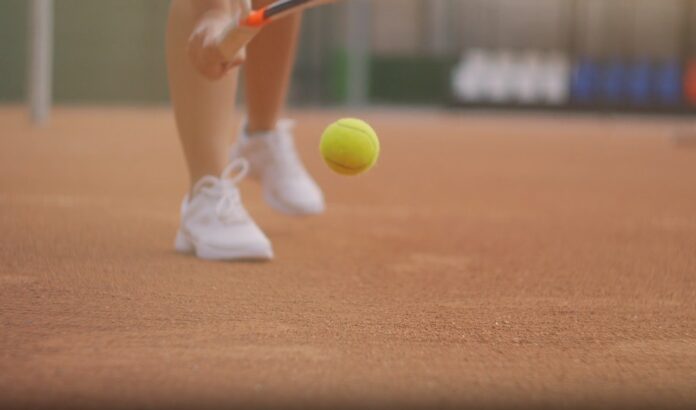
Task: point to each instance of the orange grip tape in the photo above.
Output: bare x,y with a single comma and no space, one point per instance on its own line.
256,18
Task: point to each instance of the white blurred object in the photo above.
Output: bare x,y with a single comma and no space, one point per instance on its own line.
40,60
528,78
469,76
556,79
499,79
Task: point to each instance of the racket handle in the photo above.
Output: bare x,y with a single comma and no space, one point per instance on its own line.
256,18
238,37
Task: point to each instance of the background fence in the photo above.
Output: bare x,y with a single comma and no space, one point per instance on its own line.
628,54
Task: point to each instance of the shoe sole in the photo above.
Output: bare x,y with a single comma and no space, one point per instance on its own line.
284,209
183,244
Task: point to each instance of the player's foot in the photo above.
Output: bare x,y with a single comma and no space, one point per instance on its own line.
287,186
214,223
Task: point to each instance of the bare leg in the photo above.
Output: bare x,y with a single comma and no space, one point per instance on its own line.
287,185
204,109
270,58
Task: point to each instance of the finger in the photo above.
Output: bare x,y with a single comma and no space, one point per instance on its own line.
246,8
231,65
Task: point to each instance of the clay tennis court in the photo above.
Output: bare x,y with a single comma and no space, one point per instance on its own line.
489,260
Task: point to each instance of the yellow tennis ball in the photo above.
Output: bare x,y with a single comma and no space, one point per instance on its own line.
349,146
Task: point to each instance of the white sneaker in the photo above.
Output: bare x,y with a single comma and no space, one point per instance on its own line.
273,160
214,223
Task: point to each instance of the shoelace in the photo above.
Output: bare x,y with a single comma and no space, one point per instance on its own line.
229,207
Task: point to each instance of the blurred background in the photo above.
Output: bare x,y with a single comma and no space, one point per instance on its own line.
517,54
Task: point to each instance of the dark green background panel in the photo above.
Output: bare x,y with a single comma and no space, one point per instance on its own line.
110,50
13,40
105,50
410,80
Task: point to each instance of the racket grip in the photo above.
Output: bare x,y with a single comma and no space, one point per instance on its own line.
256,18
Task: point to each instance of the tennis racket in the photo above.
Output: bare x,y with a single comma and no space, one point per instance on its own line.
239,35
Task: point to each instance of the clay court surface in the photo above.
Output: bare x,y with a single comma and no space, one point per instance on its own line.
490,260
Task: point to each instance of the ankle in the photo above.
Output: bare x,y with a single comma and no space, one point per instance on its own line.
252,129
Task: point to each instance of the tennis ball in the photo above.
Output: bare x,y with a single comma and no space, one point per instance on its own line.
349,146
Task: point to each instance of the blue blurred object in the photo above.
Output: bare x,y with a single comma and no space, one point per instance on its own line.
584,81
669,83
613,82
640,80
